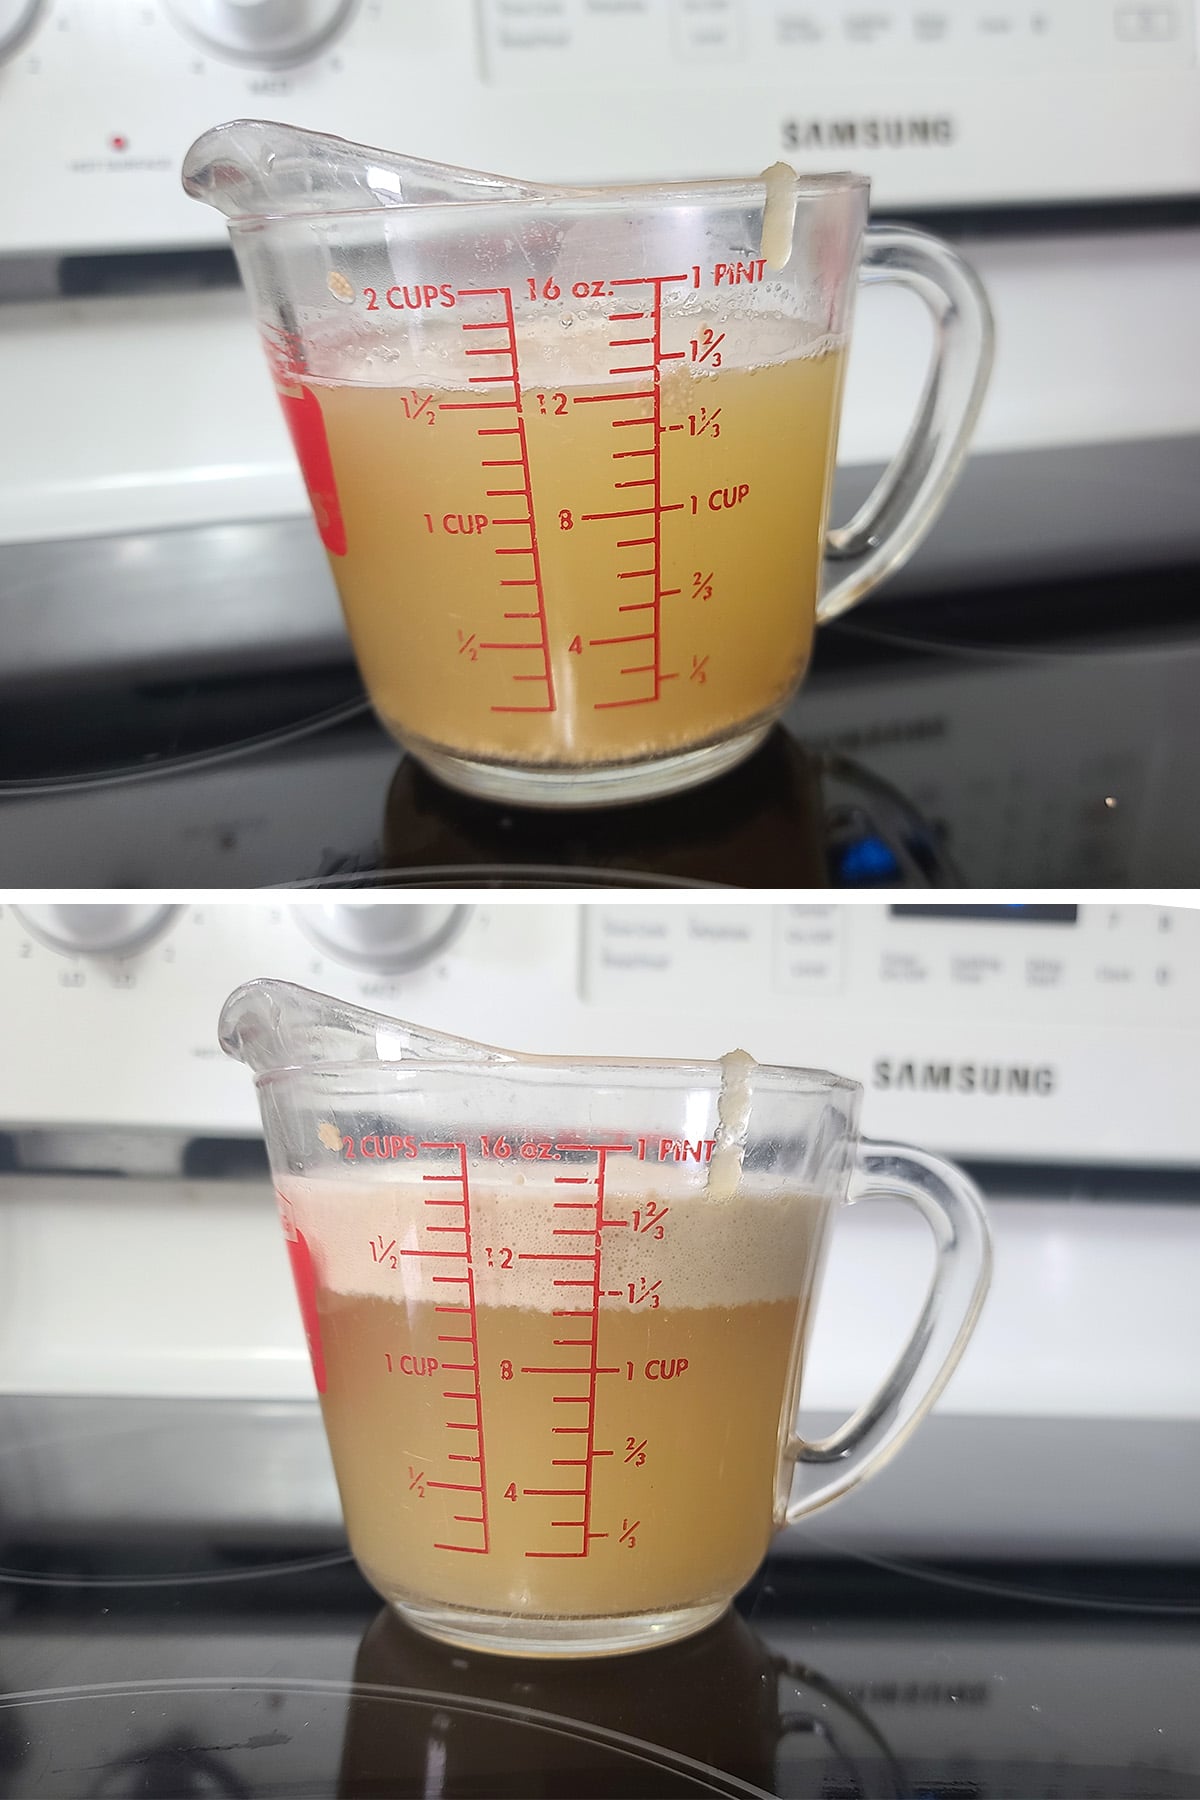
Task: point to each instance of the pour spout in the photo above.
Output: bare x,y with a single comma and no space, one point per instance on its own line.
256,168
273,1025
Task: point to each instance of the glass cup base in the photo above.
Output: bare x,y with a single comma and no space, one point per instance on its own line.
612,784
505,1634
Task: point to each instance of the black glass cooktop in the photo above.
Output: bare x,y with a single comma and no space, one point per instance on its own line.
178,1617
1045,737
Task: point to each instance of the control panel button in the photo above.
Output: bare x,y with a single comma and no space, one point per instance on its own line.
381,939
17,19
808,948
708,28
271,33
96,929
1147,24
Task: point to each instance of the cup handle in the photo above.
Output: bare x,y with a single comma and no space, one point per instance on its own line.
953,1210
890,524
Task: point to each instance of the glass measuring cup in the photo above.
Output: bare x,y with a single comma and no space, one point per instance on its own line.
557,1312
570,451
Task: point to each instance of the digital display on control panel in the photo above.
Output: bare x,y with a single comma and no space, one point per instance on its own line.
1013,915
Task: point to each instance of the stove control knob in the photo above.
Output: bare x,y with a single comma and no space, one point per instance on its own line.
96,930
379,938
268,33
17,19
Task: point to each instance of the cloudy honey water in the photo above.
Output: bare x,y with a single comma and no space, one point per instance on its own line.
535,1454
661,599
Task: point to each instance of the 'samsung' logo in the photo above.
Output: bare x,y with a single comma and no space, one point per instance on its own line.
1014,1079
931,131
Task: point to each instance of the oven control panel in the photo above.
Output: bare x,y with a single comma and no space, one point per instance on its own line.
942,102
1029,963
1025,1032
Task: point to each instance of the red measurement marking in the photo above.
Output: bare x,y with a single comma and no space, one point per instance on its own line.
647,692
699,670
550,1256
305,1277
590,1445
635,1452
629,512
648,1216
415,1479
642,1292
635,700
628,1527
603,399
702,586
705,421
470,1338
707,345
515,519
590,1369
306,423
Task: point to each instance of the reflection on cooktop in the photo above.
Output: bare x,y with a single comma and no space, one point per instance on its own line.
1045,737
166,1638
